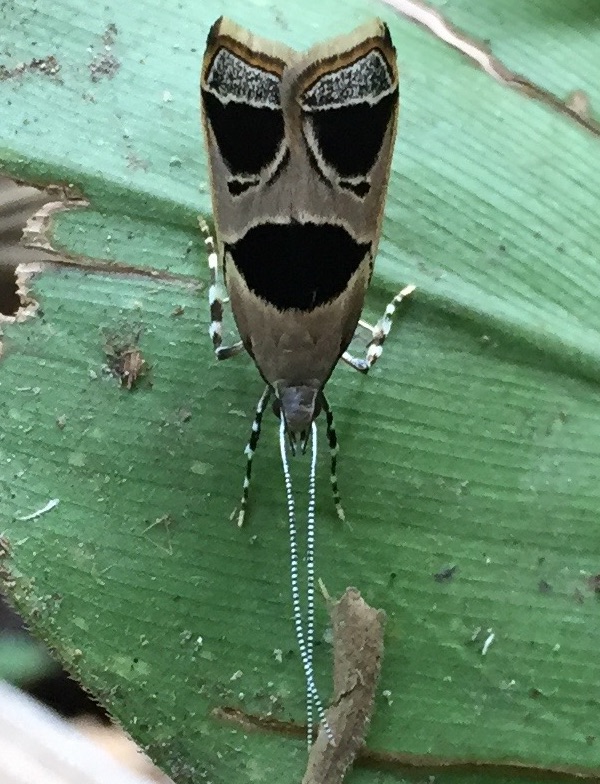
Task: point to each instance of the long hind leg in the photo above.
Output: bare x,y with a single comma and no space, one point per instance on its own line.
250,450
378,335
374,350
333,451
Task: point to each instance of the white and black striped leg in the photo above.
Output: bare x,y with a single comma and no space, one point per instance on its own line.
250,450
378,335
333,451
215,299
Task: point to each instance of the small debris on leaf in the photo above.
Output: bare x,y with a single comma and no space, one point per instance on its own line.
579,103
4,547
49,66
488,641
110,34
103,66
124,358
39,512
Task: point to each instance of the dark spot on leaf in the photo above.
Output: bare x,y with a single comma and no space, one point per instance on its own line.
445,574
138,164
110,34
593,583
47,66
103,66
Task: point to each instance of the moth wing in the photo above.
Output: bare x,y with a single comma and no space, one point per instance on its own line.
347,93
298,210
242,118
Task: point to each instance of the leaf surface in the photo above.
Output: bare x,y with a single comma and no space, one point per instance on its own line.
474,443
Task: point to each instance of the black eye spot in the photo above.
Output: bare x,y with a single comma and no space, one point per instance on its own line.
247,136
349,138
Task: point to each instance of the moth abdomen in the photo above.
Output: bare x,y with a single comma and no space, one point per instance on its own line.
299,405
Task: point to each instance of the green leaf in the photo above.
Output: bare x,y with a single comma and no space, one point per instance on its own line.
474,443
551,45
21,659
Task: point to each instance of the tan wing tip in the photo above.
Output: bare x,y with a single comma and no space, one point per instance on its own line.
243,41
214,32
225,28
374,28
373,34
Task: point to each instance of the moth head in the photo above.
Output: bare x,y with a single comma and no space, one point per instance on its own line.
299,405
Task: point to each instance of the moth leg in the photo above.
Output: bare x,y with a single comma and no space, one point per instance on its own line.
215,299
378,335
333,451
250,450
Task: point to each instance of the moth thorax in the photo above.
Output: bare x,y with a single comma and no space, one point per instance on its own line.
299,405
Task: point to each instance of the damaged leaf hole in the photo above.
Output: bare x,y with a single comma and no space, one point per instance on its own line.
16,303
19,203
10,302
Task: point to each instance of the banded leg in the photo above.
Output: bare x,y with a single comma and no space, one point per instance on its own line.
250,450
333,451
378,335
215,300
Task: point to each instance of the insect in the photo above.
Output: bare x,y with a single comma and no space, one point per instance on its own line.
299,147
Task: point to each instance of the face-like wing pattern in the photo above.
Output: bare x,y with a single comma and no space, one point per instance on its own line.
299,147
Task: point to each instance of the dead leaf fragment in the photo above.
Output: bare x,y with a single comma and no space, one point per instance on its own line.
357,654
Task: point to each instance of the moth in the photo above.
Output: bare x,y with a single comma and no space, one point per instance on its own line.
299,147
